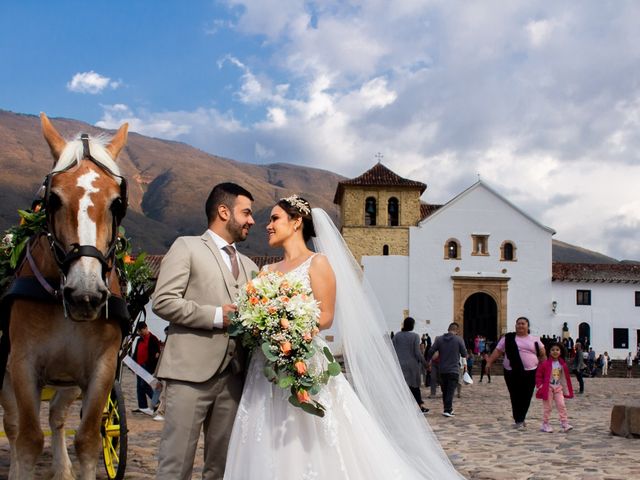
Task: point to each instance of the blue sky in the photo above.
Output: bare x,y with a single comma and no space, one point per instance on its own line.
541,99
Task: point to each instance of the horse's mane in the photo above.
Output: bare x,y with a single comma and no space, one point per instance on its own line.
73,154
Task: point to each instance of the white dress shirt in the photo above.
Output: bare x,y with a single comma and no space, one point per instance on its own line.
221,243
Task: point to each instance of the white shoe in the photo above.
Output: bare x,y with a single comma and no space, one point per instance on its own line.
158,418
147,411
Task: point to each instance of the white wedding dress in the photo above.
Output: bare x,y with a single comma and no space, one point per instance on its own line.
357,439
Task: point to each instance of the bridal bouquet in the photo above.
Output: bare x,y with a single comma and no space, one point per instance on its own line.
278,314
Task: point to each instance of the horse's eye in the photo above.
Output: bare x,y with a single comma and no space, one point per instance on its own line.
117,208
54,202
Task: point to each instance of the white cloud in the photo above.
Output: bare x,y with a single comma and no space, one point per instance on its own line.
263,152
92,83
539,31
539,98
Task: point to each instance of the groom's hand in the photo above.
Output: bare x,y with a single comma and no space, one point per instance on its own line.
226,310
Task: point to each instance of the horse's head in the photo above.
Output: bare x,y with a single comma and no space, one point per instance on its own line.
85,200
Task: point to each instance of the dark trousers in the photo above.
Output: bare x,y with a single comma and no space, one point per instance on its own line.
484,371
143,389
521,386
416,394
448,383
580,380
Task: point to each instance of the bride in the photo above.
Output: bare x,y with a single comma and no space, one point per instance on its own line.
372,428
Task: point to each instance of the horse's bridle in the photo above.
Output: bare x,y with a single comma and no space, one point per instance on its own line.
65,258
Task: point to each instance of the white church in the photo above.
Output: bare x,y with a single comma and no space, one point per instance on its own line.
482,261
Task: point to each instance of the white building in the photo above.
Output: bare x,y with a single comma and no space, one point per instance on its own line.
481,261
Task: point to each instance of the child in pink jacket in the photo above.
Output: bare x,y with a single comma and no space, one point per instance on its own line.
553,383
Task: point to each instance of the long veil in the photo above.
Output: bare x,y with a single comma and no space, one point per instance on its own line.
371,361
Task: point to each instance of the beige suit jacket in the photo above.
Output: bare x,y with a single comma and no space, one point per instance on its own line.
193,282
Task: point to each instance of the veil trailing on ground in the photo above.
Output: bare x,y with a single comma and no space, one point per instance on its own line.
371,361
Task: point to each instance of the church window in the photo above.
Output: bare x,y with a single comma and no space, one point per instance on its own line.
480,245
393,210
508,251
385,250
452,249
370,211
583,297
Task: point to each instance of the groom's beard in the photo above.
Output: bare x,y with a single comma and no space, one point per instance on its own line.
238,232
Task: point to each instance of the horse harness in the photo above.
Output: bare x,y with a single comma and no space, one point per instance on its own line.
63,257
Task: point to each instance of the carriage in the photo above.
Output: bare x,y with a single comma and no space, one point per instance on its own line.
69,288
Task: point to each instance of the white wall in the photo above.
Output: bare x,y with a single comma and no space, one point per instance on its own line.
612,306
388,276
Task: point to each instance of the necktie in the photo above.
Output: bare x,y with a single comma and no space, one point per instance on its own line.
235,270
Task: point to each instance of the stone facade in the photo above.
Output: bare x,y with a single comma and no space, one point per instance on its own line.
370,240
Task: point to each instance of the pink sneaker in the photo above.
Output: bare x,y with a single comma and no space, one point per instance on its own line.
566,427
546,428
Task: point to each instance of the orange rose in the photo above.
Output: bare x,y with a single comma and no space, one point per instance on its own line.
306,336
251,288
284,299
284,323
127,259
253,300
303,396
264,300
285,347
272,310
300,367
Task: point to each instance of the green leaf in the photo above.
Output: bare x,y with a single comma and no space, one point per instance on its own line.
315,389
266,349
312,409
334,369
306,381
286,382
234,329
328,354
270,373
17,253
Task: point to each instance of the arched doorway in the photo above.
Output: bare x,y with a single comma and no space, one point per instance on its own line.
480,318
584,331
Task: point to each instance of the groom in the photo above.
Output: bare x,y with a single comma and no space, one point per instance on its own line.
198,281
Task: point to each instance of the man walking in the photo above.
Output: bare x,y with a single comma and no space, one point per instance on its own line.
450,348
199,278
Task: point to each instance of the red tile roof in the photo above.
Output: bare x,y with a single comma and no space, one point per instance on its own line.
427,209
596,272
378,176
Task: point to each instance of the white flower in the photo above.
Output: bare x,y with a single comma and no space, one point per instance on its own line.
7,240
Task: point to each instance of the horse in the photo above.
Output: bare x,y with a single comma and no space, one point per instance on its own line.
70,343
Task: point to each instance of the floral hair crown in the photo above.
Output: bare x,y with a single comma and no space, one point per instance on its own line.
298,203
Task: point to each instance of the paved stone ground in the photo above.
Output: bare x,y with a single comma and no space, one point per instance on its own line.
479,439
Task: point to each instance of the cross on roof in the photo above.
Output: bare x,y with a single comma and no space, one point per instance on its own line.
379,157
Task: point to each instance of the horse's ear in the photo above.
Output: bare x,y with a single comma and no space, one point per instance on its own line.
118,141
53,138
